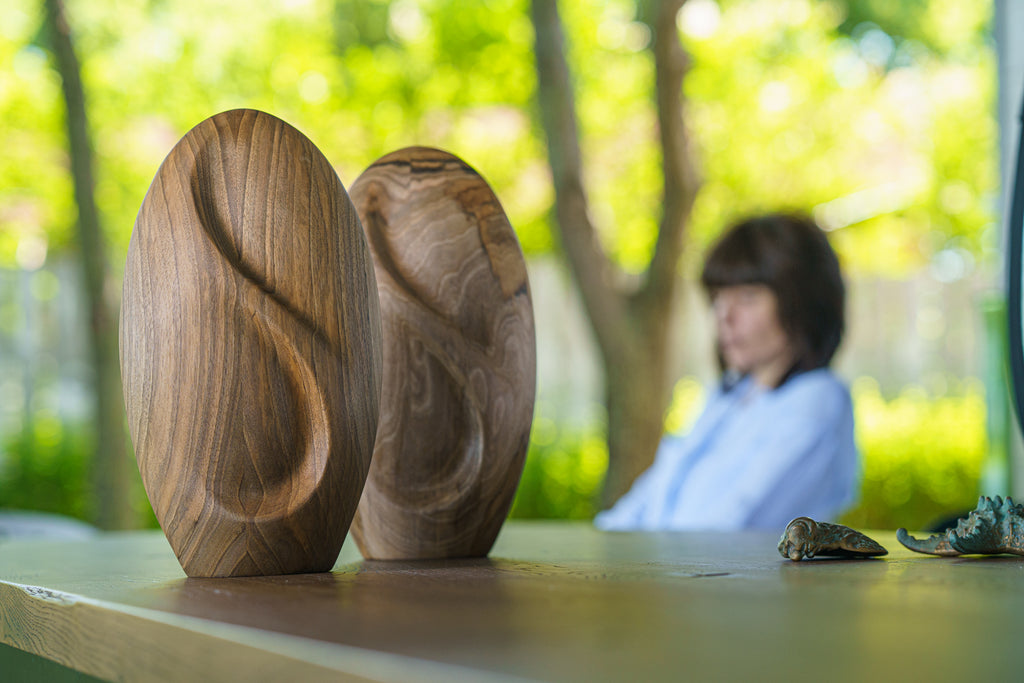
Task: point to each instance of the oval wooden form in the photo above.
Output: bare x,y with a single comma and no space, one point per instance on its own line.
250,350
459,359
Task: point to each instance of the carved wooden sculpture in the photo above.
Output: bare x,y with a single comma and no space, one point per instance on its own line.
250,350
459,359
804,537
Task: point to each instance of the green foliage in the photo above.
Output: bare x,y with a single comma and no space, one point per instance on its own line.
793,103
894,151
921,457
45,467
359,77
563,474
35,188
941,26
877,115
565,468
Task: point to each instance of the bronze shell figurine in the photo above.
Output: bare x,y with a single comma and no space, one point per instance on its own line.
805,538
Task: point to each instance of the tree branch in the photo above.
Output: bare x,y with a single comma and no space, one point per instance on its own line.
89,235
593,270
111,467
681,180
631,330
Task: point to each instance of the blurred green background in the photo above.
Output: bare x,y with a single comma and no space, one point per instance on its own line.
878,117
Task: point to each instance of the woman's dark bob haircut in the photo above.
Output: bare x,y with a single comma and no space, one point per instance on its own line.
791,255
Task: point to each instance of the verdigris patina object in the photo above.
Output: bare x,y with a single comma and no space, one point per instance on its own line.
805,538
994,527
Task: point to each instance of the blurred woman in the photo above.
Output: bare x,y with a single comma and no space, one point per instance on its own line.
775,440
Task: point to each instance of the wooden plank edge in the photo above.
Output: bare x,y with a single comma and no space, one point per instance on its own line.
125,643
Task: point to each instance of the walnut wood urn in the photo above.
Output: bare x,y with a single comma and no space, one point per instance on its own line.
459,359
250,350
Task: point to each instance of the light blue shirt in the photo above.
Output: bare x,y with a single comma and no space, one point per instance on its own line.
755,459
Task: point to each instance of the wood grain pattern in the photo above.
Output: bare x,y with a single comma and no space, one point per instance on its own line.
459,359
555,602
250,350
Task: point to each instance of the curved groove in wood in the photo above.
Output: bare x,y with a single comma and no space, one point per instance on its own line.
412,257
251,352
303,478
432,483
459,359
215,224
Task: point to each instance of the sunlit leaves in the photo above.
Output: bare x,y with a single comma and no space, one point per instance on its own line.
35,191
791,114
922,454
876,115
878,119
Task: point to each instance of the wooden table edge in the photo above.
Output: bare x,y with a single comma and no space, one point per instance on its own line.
126,643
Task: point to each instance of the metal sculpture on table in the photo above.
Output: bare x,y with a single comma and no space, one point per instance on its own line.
995,527
805,538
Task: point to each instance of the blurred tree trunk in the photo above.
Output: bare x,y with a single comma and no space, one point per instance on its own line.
111,466
631,326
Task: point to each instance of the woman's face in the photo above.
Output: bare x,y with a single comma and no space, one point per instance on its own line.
750,335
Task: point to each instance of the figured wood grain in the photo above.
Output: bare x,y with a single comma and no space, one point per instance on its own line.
459,359
250,350
78,634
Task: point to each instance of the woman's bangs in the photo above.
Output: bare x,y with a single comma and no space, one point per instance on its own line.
731,265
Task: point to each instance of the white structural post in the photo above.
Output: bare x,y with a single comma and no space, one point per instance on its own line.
1008,27
1009,34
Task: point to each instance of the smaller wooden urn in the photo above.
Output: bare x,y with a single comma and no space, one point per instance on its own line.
250,350
459,359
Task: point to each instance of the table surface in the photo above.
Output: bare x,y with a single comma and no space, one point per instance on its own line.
554,602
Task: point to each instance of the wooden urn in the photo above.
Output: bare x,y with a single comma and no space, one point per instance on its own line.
250,350
459,359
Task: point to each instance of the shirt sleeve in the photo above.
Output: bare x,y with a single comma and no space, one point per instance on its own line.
820,482
638,508
628,512
802,461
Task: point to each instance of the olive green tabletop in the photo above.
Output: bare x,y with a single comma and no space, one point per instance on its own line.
553,602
